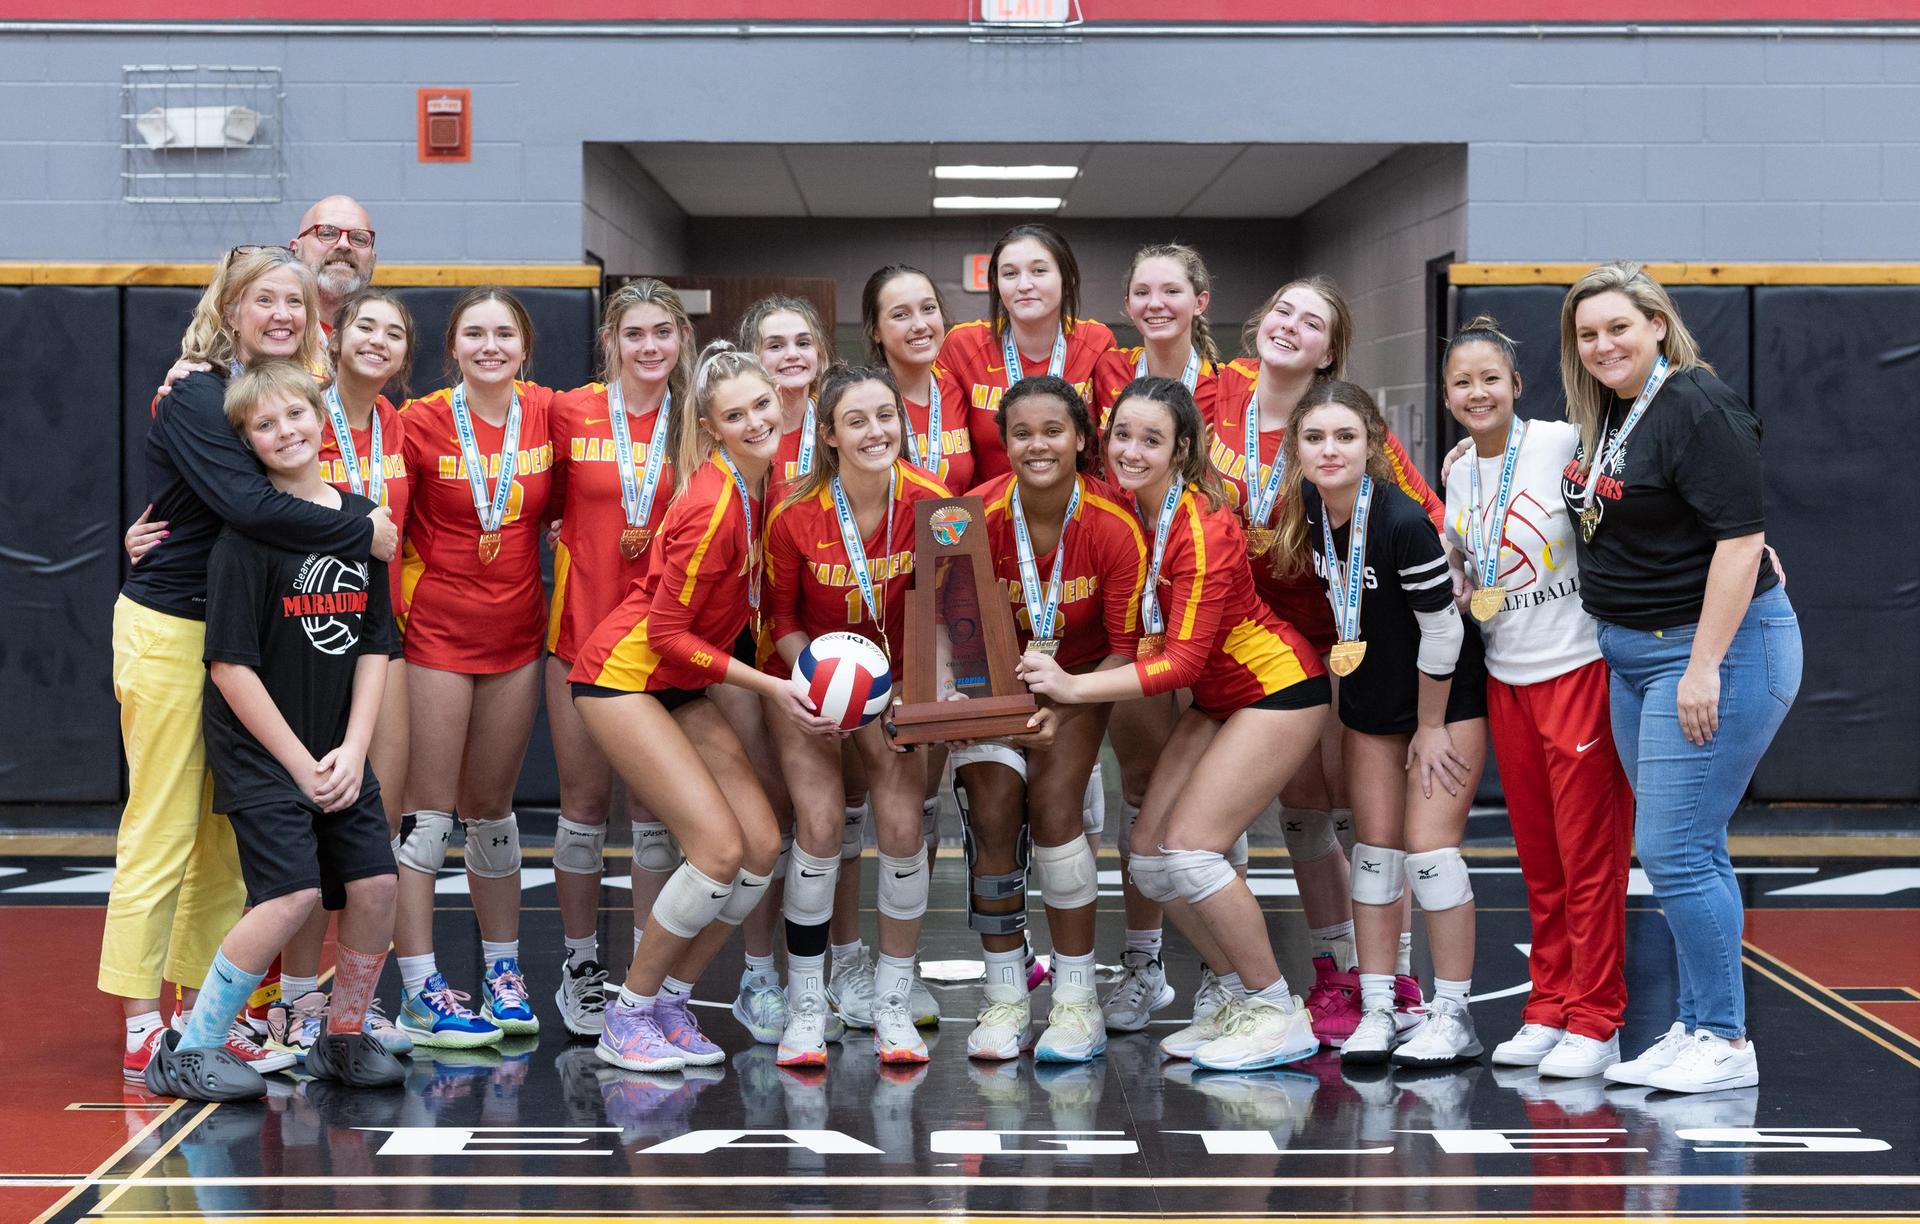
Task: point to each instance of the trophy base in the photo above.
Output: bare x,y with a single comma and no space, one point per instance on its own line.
938,722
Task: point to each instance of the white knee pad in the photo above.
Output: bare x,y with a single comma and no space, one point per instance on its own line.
981,752
689,901
786,857
1128,814
654,849
749,890
1308,833
424,837
579,848
1197,874
930,820
1379,874
1343,828
1237,852
1093,804
853,834
810,881
1066,874
1439,879
903,886
1149,873
493,847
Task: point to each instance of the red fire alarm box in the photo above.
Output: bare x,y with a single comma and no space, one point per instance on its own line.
446,125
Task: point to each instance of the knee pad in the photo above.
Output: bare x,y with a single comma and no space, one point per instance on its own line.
903,886
424,837
1197,874
654,849
810,882
1309,834
1066,874
1379,874
493,847
853,833
690,901
578,848
1343,828
781,863
930,820
993,887
749,890
1128,814
1093,804
1439,879
1237,852
1149,873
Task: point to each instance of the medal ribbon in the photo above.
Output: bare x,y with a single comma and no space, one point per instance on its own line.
809,434
343,434
1189,376
1151,619
856,548
1346,582
932,460
1489,561
1260,501
1056,365
746,509
637,498
1041,610
1609,452
491,510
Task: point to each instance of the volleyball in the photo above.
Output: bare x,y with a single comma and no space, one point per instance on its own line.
846,677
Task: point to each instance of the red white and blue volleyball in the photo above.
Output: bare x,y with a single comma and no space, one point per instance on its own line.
846,677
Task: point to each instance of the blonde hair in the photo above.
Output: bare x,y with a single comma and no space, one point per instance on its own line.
1587,397
269,378
767,307
1197,277
209,337
720,362
647,292
1292,551
1339,328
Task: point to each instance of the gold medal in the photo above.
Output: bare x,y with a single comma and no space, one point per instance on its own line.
1151,645
1345,657
1589,521
1486,602
1259,541
633,541
1045,646
489,546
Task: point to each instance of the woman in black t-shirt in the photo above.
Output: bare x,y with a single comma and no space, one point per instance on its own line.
1703,647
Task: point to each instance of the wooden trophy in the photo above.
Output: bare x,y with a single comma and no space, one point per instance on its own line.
957,602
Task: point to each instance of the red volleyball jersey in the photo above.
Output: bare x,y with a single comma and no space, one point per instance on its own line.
1101,575
975,362
812,587
1222,641
1117,367
956,438
676,627
1301,600
590,573
463,614
394,494
786,461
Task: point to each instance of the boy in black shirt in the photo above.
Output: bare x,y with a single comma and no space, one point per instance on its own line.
296,652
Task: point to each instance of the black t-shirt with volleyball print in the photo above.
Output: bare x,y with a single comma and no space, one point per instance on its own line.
301,621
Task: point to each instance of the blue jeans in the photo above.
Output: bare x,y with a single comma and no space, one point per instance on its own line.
1684,795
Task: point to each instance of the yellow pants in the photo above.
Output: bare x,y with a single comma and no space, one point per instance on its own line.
176,883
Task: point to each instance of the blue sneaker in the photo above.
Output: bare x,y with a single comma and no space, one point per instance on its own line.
435,1016
506,1002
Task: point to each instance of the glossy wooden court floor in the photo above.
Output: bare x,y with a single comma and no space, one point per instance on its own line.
541,1130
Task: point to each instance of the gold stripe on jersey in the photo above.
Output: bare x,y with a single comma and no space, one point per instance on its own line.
562,565
1093,501
706,542
1265,654
631,662
1197,526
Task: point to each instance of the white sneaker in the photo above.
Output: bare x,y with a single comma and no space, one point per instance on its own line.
1208,1003
850,993
810,1026
1446,1037
1259,1034
1657,1056
582,997
1577,1057
1002,1028
1709,1064
761,1007
895,1039
1075,1032
1141,991
921,1005
1373,1039
1528,1046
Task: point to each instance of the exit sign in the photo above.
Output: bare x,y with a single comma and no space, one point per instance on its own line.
974,272
1025,12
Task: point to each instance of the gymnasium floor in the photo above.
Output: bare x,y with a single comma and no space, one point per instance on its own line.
543,1130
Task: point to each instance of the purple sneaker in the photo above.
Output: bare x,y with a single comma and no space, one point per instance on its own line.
682,1031
632,1040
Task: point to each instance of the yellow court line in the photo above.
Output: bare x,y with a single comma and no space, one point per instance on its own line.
120,1153
1753,962
1695,273
159,1154
399,276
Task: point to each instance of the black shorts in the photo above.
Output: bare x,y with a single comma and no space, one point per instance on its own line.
290,845
672,698
1303,695
1369,714
745,648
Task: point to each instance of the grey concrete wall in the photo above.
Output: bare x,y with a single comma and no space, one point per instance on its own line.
627,220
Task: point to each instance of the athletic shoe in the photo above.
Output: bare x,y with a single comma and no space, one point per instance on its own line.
761,1007
1409,1005
1141,991
201,1074
1333,1004
264,996
241,1045
504,998
1657,1057
1258,1034
1446,1037
1528,1046
1709,1064
582,997
436,1016
1372,1040
810,1025
1075,1031
633,1041
293,1026
850,993
382,1030
134,1066
1209,1004
1577,1057
674,1016
357,1060
895,1039
1001,1030
921,1005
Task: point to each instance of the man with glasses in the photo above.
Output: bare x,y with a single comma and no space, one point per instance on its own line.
335,239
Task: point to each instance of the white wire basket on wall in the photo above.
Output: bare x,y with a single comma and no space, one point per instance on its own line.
201,134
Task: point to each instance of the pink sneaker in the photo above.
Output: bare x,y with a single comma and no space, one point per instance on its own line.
1334,1002
633,1040
1409,1005
676,1022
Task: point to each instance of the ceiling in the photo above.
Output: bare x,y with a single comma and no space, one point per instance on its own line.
896,180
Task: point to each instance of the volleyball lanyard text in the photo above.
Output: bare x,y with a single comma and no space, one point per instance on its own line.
492,510
1042,609
1152,621
1056,364
637,491
857,551
343,434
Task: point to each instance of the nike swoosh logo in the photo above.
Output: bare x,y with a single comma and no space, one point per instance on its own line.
811,875
1583,747
904,875
596,421
751,884
825,544
719,896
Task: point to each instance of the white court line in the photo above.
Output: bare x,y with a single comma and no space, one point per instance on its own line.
872,1182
